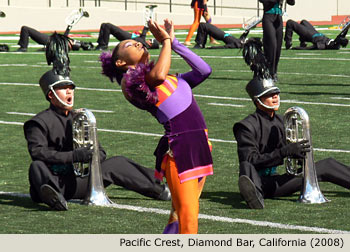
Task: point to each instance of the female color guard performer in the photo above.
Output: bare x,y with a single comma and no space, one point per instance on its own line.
183,154
200,9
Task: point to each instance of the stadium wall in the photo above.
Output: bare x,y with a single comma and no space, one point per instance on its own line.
46,15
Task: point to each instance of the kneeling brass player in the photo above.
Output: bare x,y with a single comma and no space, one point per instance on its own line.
50,144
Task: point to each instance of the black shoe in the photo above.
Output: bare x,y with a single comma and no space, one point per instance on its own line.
4,48
249,193
87,46
101,48
288,45
165,194
303,44
198,46
53,198
22,49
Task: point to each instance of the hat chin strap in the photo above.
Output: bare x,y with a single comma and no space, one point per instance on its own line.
330,41
59,99
268,107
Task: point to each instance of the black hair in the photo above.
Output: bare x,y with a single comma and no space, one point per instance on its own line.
109,67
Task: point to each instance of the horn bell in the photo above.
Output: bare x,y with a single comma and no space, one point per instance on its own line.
297,128
85,134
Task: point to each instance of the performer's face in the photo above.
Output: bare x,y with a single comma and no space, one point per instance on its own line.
271,100
131,53
66,94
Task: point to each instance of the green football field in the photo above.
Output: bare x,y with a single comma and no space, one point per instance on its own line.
317,81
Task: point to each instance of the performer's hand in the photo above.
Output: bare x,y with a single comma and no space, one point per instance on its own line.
83,154
296,150
158,32
169,27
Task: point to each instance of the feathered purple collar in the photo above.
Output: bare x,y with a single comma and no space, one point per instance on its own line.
137,88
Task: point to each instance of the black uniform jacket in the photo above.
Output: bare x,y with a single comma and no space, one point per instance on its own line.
50,138
259,139
321,42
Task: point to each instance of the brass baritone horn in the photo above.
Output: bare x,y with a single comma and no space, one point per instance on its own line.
75,16
84,135
297,128
149,13
251,23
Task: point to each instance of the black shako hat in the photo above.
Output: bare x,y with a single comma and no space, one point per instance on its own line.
258,87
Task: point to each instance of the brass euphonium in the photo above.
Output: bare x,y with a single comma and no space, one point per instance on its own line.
85,134
75,16
252,23
149,13
297,128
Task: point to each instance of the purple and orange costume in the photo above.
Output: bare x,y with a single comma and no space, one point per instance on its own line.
174,106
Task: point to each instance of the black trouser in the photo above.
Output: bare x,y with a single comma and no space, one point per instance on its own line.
107,28
205,29
272,39
305,31
327,170
27,32
117,170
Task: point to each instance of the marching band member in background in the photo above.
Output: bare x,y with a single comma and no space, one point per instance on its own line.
200,9
42,39
272,24
107,28
183,154
262,147
206,29
50,144
307,33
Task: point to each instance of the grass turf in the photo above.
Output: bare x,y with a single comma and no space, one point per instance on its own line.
318,81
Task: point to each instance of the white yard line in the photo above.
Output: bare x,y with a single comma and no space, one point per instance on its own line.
11,123
237,56
196,95
226,105
289,101
20,113
289,73
159,135
32,114
213,217
341,98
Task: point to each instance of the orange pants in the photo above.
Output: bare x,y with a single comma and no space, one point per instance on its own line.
197,18
185,198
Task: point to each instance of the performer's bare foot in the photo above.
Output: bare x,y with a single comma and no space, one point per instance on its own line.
214,42
187,43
